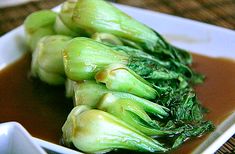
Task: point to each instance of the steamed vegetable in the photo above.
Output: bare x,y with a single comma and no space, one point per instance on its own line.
90,93
120,78
84,57
99,16
95,131
38,25
131,89
47,61
132,113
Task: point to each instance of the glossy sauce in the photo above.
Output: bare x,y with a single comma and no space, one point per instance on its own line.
217,93
43,109
40,108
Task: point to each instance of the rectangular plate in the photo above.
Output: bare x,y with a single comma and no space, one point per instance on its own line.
194,36
10,135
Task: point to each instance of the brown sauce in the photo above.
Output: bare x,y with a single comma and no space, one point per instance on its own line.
43,109
217,93
40,108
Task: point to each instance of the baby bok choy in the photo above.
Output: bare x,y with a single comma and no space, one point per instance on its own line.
84,57
99,16
120,78
90,93
38,25
47,61
95,131
132,113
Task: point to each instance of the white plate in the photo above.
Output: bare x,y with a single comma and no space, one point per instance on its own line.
188,34
15,139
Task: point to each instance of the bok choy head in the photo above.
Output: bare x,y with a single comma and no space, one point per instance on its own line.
47,61
120,78
84,57
38,25
95,131
102,17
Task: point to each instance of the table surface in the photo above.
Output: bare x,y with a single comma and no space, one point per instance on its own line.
216,12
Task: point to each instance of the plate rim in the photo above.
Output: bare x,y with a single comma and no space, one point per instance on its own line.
227,125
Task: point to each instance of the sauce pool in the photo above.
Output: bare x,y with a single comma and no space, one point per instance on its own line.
43,109
40,108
